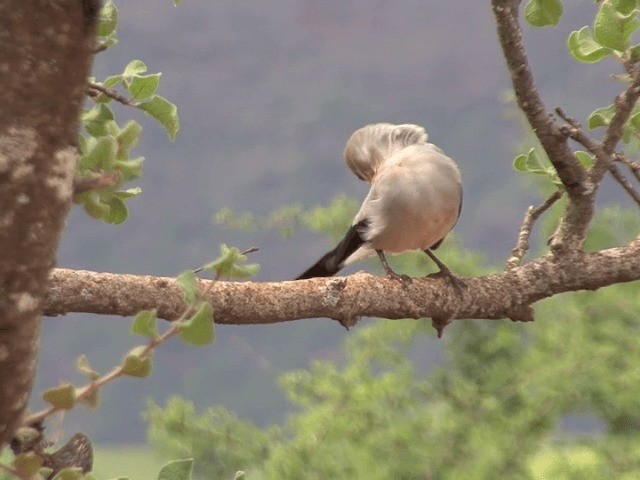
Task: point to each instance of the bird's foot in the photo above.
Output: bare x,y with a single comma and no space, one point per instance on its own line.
398,276
457,283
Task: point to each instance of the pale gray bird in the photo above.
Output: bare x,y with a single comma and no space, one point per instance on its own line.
414,201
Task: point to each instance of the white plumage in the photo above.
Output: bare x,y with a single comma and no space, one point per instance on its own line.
414,200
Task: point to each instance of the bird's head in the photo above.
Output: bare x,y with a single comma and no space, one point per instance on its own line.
369,146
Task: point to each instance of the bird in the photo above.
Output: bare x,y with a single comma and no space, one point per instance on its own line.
414,201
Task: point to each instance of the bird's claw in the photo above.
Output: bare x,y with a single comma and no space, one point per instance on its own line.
400,277
457,283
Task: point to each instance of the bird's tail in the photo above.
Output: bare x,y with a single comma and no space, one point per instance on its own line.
332,262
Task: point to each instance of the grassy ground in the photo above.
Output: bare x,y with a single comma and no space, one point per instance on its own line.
134,461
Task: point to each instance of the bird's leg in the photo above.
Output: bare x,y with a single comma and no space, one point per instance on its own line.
387,269
444,271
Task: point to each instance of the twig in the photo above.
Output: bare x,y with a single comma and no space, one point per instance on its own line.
532,214
624,106
90,388
111,93
631,165
101,48
574,130
622,180
99,180
246,252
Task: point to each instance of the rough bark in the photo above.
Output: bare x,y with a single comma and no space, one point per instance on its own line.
45,54
505,295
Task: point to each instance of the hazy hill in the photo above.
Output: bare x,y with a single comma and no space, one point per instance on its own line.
268,93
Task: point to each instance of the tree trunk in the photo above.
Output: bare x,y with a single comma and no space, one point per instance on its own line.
46,49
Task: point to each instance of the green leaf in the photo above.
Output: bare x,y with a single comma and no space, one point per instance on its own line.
533,163
585,158
130,169
244,271
93,205
145,323
129,136
118,211
142,87
27,464
634,54
625,6
227,259
136,364
45,472
520,163
112,81
199,330
177,470
101,153
634,121
584,48
69,473
134,67
543,13
613,28
108,20
83,366
109,42
94,120
188,284
165,112
63,396
601,117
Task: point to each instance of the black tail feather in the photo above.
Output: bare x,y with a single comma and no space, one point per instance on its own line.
332,262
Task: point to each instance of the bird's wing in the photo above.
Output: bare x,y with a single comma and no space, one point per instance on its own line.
414,201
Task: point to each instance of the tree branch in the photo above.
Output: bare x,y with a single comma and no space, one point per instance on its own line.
572,230
506,295
574,130
93,89
624,182
532,214
554,143
631,165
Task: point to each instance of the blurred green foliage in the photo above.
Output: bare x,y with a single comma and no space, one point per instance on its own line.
493,411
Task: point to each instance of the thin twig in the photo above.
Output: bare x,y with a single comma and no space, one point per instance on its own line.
101,48
634,166
624,106
622,180
532,214
574,130
99,180
90,388
111,93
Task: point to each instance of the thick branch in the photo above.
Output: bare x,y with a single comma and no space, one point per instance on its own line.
507,295
554,143
572,230
46,54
